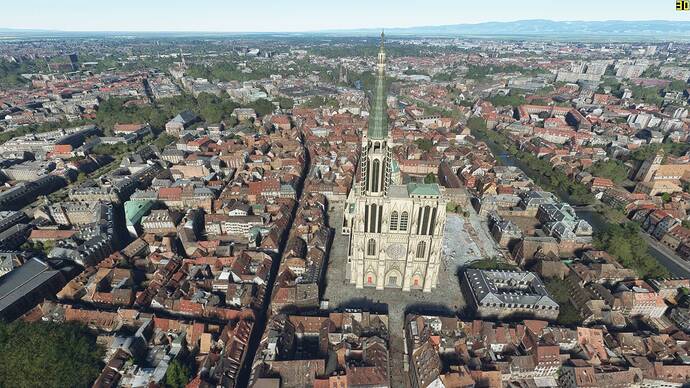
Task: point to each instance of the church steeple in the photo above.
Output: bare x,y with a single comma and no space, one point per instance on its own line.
378,118
381,63
376,156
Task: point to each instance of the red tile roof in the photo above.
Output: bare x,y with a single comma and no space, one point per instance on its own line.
50,234
170,193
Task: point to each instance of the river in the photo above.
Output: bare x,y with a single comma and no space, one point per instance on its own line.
598,222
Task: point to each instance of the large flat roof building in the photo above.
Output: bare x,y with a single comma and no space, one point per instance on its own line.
508,294
26,286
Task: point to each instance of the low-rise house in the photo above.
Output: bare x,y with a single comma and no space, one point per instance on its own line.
180,122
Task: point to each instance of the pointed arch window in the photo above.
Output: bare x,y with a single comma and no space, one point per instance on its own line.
433,222
421,249
425,220
380,218
371,247
375,176
373,218
403,221
394,221
366,218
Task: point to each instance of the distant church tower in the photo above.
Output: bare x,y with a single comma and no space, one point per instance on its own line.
342,75
395,230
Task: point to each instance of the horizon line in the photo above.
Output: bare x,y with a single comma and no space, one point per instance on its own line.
336,30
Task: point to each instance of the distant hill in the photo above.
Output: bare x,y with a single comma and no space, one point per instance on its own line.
599,30
21,30
610,29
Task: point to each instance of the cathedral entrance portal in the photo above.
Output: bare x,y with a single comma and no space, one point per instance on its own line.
393,279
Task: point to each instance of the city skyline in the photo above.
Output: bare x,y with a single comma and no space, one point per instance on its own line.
389,194
313,16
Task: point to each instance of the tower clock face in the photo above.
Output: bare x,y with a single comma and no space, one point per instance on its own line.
396,251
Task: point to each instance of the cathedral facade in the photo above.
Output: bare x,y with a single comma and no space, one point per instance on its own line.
395,230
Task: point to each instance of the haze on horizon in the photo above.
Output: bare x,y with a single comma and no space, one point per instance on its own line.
312,15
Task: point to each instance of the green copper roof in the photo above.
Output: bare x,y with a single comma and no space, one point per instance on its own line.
378,118
135,210
423,189
395,167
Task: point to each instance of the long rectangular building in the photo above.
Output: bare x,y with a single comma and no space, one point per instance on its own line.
508,294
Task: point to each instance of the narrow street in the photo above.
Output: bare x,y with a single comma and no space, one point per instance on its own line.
667,257
262,314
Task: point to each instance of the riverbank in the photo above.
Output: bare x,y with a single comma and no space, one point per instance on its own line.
630,248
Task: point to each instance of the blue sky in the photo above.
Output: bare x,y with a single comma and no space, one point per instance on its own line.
311,15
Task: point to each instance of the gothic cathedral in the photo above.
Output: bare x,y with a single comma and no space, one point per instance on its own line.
396,230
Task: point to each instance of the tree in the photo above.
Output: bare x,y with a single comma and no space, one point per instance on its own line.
163,140
579,193
666,197
286,103
319,102
624,243
177,375
213,109
648,95
443,77
645,152
231,122
10,72
424,144
559,290
476,123
507,100
492,263
47,354
652,72
430,178
227,71
481,72
609,83
677,86
610,169
262,106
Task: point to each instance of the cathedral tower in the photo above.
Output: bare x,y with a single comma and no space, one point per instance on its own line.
375,169
395,230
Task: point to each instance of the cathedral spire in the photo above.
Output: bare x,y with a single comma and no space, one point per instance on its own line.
378,119
381,63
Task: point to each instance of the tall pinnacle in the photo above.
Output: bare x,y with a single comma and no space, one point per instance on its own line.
381,64
378,118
